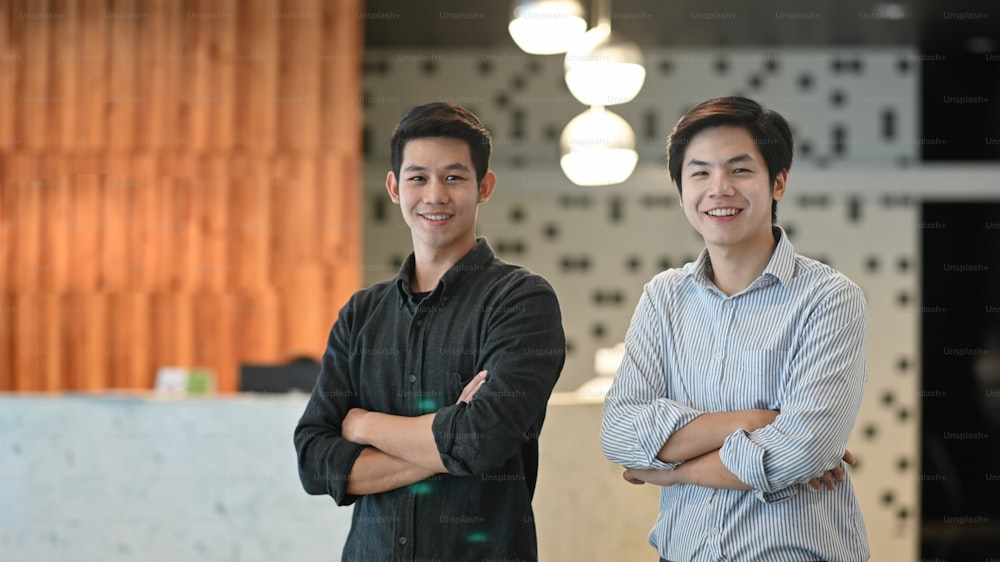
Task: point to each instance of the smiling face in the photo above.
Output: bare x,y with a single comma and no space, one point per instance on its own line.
726,194
439,197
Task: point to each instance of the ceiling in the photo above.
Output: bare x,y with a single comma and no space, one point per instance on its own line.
950,25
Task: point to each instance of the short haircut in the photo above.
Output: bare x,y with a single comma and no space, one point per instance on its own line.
768,128
440,119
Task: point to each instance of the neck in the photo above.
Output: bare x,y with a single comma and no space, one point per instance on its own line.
430,264
734,268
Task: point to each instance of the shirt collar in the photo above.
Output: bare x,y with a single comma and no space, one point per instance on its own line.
472,262
781,266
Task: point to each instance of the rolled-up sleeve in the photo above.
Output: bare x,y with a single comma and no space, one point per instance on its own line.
325,459
819,403
523,351
639,416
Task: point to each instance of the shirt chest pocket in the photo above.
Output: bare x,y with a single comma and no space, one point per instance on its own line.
756,378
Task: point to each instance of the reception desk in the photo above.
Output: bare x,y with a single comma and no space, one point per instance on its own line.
123,478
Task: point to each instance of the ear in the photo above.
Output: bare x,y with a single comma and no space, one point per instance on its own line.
487,186
778,189
392,186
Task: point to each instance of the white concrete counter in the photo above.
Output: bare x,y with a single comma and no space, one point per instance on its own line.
122,477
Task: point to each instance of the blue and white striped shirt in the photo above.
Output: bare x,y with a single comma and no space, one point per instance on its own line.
794,341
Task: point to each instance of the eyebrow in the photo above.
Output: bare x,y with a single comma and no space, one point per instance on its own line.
418,168
733,160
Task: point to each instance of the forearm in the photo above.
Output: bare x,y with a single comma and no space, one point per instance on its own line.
407,438
375,472
708,471
708,432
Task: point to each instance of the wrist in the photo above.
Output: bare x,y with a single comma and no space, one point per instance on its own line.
354,426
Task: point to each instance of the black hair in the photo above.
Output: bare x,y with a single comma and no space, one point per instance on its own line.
441,119
768,128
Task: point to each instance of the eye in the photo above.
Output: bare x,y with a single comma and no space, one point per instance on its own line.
453,178
699,173
415,178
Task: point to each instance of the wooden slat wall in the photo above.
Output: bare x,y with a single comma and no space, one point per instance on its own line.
178,186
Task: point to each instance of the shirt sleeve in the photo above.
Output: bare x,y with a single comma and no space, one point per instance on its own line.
325,459
523,352
639,416
819,403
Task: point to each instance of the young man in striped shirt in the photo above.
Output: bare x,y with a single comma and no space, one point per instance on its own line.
743,371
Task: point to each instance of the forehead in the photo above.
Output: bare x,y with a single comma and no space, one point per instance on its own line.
433,151
721,143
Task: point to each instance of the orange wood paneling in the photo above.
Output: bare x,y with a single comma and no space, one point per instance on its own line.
178,186
88,221
95,50
66,60
212,182
9,69
8,231
213,336
124,102
256,327
162,64
129,344
172,329
256,65
29,347
27,205
299,80
34,98
250,227
57,228
83,327
118,186
144,224
8,319
51,361
221,45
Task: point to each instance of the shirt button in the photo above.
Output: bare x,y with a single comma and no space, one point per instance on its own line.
420,322
402,540
412,378
729,304
719,355
715,531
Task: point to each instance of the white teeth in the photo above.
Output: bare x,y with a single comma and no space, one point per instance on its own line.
436,217
723,212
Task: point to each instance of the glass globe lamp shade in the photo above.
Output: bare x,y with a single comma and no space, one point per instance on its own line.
546,27
597,148
603,70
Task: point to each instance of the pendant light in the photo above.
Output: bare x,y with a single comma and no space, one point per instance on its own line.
546,27
597,147
602,69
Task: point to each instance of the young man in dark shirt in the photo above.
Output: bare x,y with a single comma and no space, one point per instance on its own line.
434,384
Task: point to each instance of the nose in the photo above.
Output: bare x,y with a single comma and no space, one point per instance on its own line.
721,186
436,191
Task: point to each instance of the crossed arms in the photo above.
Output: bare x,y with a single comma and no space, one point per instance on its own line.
401,450
346,451
696,446
664,441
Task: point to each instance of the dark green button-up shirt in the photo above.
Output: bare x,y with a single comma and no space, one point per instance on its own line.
391,351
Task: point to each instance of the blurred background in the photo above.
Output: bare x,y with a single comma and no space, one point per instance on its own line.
190,190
